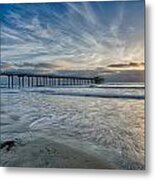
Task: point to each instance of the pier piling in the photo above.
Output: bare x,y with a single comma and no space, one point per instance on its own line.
30,80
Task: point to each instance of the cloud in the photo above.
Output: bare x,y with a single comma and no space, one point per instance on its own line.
80,36
6,65
42,65
127,65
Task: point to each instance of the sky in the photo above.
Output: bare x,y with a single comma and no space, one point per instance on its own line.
79,36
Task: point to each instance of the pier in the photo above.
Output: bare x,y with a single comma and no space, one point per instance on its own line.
46,80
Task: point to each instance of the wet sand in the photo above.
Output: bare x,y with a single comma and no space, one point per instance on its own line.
40,153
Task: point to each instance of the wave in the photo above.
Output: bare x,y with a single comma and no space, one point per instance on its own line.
120,86
140,97
79,92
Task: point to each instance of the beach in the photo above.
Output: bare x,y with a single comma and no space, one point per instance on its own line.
61,127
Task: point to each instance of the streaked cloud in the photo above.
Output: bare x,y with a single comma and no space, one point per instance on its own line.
72,36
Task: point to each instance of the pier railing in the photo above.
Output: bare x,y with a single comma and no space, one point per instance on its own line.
37,80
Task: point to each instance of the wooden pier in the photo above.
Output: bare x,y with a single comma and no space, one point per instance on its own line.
48,80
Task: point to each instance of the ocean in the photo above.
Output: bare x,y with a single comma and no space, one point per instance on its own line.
106,122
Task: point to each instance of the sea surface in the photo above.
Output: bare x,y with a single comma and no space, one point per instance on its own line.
107,120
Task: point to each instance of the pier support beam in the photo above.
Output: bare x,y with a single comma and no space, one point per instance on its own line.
46,80
49,81
12,81
23,81
58,82
32,83
28,79
9,79
37,82
40,83
19,82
